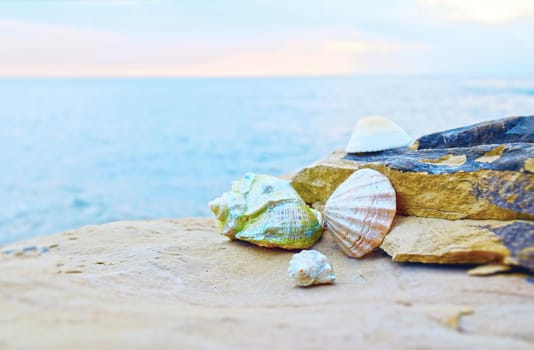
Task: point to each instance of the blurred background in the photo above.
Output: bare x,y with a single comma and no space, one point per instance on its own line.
125,110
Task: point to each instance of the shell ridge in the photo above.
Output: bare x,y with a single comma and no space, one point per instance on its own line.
381,206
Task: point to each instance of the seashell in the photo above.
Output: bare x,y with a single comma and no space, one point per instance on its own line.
310,267
268,212
375,133
360,211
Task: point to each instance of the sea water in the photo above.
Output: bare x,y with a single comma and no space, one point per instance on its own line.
75,152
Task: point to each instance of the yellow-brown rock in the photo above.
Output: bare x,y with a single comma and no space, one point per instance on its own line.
488,269
427,240
456,191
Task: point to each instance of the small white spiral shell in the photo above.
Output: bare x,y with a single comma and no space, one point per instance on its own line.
310,267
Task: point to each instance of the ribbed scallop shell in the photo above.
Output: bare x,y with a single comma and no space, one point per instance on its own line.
376,133
360,211
310,267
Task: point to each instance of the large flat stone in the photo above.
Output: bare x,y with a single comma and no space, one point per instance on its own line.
171,284
480,182
425,240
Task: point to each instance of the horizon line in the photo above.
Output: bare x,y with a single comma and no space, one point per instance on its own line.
350,75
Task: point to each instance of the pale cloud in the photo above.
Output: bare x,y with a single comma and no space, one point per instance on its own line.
358,46
28,43
42,49
483,11
372,46
88,2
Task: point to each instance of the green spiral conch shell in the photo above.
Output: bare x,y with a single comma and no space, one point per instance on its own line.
268,212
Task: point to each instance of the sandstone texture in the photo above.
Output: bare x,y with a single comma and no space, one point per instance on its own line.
483,179
427,240
178,284
488,269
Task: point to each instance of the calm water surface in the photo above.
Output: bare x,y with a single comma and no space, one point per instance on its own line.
86,151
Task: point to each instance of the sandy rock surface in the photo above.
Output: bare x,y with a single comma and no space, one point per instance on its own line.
178,284
429,240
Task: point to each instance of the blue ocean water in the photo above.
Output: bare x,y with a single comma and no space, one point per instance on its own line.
87,151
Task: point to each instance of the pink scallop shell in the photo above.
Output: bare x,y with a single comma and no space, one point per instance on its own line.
360,211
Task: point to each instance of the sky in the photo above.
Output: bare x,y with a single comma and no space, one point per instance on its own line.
241,38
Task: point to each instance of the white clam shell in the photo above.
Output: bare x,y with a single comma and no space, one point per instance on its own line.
310,267
376,133
360,211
